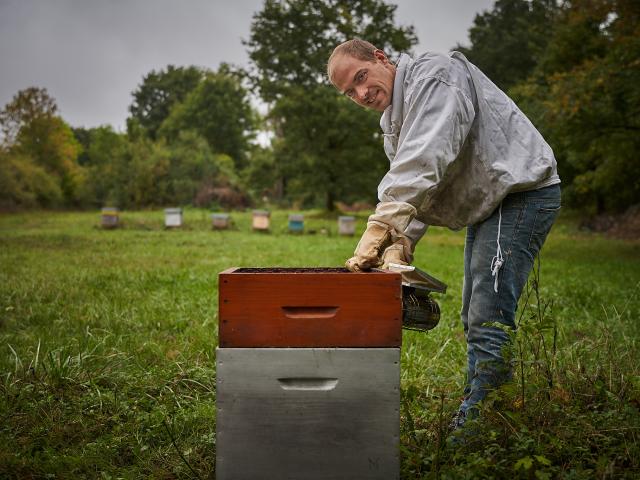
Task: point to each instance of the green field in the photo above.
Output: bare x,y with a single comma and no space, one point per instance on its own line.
107,350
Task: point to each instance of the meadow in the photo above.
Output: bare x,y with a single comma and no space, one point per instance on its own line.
107,350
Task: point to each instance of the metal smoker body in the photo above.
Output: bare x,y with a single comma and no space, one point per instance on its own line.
419,311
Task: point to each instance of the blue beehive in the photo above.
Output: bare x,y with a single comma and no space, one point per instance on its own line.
296,223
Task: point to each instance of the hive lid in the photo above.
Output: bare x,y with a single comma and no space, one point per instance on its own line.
416,278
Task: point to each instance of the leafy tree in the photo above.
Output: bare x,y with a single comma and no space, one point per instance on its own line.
291,40
26,107
586,97
508,41
218,110
37,141
262,175
159,92
201,177
25,184
105,157
329,149
289,45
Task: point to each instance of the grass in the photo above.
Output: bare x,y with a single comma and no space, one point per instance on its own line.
107,350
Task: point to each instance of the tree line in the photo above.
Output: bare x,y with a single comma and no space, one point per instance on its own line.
572,66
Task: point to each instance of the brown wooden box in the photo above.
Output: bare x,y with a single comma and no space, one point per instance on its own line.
309,307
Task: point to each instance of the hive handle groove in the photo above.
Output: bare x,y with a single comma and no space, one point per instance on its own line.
308,383
309,312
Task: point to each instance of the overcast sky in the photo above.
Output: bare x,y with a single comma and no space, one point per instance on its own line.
90,54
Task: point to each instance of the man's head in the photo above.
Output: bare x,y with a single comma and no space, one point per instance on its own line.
363,73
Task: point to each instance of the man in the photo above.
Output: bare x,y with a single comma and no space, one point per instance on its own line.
461,155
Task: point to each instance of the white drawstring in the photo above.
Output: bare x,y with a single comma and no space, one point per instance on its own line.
497,261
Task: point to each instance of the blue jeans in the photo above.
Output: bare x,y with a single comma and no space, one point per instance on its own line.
526,220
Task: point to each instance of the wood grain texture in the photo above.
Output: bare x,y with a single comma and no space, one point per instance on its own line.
309,308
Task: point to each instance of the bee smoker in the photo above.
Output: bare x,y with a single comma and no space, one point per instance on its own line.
419,311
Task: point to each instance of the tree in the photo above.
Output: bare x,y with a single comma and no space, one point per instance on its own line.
586,97
25,184
326,149
105,157
329,148
218,110
27,106
200,177
159,92
291,40
508,41
38,142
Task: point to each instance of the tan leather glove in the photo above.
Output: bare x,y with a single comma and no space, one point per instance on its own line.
374,240
394,254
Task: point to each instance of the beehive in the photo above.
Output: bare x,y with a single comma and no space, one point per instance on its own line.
308,374
110,217
296,223
173,217
220,221
346,225
261,220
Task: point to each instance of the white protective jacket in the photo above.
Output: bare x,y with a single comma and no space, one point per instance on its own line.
457,146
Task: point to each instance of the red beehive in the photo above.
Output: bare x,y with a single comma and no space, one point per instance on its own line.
309,307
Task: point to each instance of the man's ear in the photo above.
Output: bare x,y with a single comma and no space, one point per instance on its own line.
380,55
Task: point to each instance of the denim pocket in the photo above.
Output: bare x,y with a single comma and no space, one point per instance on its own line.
542,224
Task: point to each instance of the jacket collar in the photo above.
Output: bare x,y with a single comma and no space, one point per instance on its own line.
391,119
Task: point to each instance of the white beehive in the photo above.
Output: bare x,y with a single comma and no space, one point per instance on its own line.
346,225
173,217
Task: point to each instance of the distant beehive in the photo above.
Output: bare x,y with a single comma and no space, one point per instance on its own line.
173,217
220,221
110,217
346,225
261,220
296,223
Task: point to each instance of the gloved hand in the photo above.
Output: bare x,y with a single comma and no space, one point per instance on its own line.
380,245
374,240
395,253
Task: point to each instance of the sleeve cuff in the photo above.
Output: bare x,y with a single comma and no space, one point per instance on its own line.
397,214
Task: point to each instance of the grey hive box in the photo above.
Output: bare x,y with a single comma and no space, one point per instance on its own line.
172,217
110,217
313,411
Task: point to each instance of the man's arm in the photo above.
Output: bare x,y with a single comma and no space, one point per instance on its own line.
438,117
437,120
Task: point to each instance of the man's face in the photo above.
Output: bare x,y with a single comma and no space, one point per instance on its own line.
369,84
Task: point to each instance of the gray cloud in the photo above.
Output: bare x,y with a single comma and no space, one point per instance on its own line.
90,54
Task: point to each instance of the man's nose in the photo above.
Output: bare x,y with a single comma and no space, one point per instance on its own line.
361,91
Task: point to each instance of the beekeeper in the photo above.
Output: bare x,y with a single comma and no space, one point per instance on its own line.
461,154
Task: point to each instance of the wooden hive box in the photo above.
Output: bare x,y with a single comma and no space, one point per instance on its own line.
220,221
309,307
110,217
296,223
173,217
260,220
308,374
346,225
